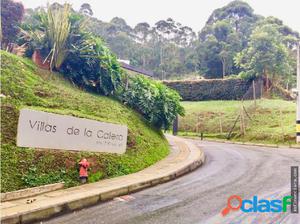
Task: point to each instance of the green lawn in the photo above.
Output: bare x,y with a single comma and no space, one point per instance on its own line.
267,123
26,86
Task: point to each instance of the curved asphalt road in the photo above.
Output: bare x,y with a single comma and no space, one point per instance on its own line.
199,197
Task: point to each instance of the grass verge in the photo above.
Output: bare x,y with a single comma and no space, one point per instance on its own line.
272,121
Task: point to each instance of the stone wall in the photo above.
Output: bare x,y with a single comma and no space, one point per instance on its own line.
215,89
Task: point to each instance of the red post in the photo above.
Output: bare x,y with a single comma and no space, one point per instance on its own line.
83,170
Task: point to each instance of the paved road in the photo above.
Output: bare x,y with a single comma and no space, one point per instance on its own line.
200,196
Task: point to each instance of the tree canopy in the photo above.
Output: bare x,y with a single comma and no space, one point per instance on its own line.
266,55
11,15
170,49
228,44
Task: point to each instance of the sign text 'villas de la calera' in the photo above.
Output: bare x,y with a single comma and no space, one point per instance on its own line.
38,129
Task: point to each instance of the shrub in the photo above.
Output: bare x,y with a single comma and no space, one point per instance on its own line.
156,102
92,65
83,58
246,75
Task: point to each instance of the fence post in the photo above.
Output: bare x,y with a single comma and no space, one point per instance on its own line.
198,123
242,122
281,123
261,88
254,93
175,126
220,123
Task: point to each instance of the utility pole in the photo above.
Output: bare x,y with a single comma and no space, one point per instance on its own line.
298,94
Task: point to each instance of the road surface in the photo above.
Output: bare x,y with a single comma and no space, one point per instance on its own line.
199,197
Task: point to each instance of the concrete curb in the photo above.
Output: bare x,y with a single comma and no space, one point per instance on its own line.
30,192
187,159
237,143
245,143
294,146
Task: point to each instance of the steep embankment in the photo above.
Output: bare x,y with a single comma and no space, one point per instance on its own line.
26,86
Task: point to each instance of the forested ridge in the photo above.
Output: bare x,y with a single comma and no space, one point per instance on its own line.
232,37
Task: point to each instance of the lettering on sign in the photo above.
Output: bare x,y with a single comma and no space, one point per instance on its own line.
39,129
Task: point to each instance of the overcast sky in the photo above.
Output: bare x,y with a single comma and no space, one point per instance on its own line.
193,13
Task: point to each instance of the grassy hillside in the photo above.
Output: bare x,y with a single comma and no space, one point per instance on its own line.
267,123
26,86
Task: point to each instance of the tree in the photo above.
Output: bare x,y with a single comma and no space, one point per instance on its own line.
290,37
229,48
235,10
226,33
11,15
150,47
86,9
240,16
266,55
229,44
173,32
121,25
208,56
142,31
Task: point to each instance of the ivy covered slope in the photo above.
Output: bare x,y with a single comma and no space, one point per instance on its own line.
26,86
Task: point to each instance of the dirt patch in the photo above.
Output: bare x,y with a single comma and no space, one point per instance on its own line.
263,111
43,93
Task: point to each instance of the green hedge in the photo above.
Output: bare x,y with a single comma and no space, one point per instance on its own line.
212,89
157,103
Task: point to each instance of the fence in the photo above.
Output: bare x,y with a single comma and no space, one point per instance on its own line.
245,122
255,119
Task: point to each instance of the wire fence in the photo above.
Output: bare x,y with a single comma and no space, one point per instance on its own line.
249,118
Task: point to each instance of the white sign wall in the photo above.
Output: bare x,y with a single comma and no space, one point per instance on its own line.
38,129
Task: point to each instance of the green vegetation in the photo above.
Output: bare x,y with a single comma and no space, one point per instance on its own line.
267,124
60,36
84,59
171,49
235,41
266,55
56,27
25,85
91,65
156,102
167,48
225,33
11,15
212,89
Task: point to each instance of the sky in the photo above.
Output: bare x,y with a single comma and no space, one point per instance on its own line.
193,13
